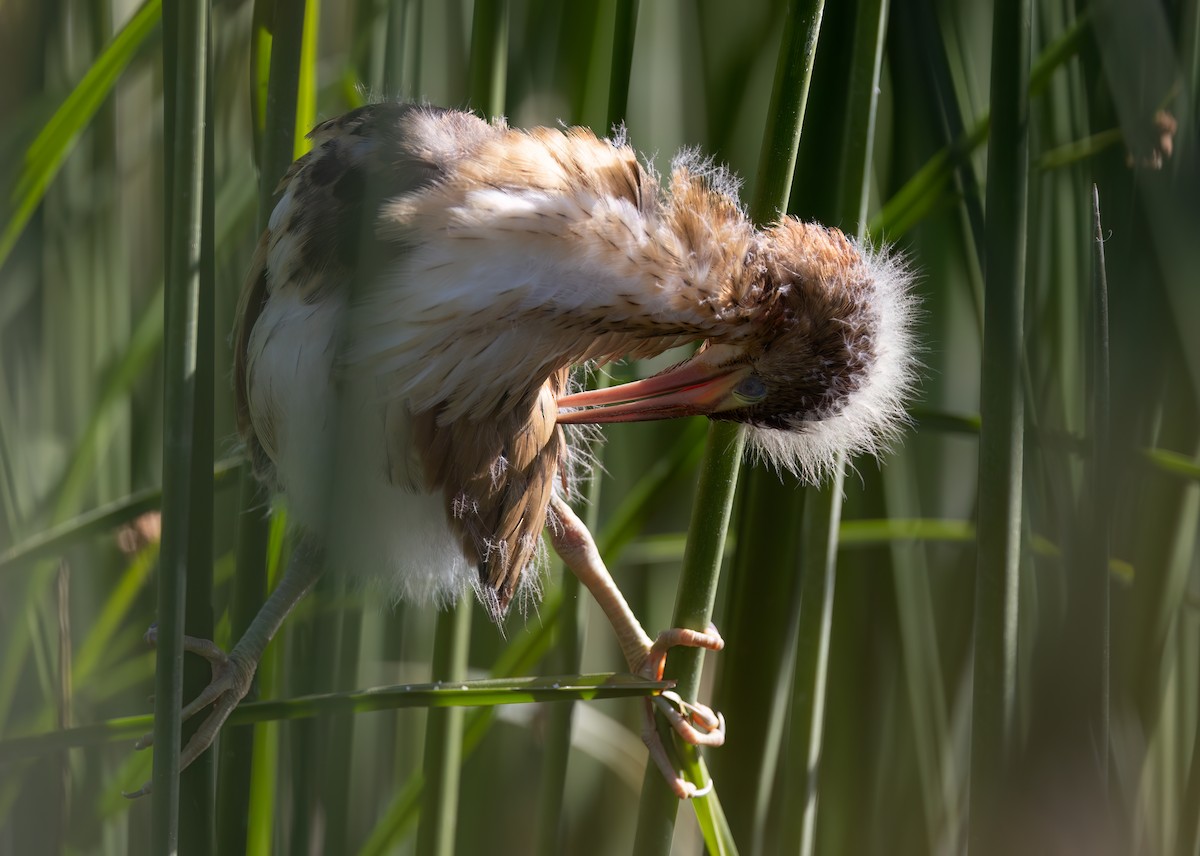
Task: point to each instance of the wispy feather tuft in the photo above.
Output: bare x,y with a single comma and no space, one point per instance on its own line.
873,414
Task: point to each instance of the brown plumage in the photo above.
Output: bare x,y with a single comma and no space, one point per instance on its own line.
426,282
496,477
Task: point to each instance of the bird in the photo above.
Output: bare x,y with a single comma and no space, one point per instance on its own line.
406,337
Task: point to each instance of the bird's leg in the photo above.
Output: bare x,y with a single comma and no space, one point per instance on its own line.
233,673
695,723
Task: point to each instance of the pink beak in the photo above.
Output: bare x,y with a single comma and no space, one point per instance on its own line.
695,387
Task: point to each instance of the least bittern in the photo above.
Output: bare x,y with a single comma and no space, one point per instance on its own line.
407,331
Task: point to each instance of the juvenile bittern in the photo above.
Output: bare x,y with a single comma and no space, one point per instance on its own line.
405,337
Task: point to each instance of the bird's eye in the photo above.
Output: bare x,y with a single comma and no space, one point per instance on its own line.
751,390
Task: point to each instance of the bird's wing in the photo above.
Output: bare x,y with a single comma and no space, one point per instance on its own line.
250,305
497,477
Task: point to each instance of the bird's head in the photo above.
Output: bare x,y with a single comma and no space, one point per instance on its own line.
822,367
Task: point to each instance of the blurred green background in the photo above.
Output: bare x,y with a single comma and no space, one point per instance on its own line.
848,686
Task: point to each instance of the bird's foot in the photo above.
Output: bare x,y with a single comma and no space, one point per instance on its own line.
697,724
232,678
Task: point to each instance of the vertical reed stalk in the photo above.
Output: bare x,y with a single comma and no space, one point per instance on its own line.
572,617
197,811
1001,438
444,729
823,510
1091,596
183,314
489,56
277,38
714,499
444,737
693,608
822,517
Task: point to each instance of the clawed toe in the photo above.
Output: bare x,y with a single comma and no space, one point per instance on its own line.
696,724
231,681
685,717
205,648
144,790
678,637
681,787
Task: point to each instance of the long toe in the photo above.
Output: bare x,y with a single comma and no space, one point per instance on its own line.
205,648
208,730
680,786
678,637
144,790
231,682
697,724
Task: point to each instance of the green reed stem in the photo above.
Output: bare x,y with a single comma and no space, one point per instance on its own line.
185,113
278,40
1001,437
444,729
822,512
443,736
693,608
572,621
489,56
719,468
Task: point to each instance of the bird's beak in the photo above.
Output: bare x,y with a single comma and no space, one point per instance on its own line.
699,386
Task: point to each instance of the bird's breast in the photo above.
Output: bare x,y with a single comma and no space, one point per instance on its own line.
398,492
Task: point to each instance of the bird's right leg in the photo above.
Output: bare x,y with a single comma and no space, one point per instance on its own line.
233,673
697,724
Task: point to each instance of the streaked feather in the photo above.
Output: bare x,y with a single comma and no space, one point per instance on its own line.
426,282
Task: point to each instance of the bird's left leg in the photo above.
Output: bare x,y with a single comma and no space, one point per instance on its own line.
695,723
233,673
